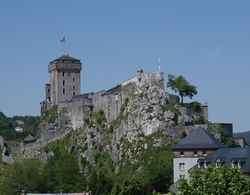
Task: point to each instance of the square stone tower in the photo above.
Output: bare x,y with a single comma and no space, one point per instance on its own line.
65,81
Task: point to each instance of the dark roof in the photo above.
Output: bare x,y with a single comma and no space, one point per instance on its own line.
229,155
82,96
66,58
29,138
199,138
113,90
245,135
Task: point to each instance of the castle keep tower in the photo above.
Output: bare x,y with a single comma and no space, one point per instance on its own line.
64,79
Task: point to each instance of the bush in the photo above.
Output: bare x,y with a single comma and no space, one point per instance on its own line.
100,117
50,115
196,106
199,121
170,107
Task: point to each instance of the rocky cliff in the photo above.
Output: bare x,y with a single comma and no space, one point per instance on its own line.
146,120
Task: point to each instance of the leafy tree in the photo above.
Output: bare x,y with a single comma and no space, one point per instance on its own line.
155,177
22,175
182,86
220,180
8,124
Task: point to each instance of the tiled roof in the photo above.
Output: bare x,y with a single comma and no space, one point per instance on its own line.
229,155
113,90
82,96
29,138
199,138
66,58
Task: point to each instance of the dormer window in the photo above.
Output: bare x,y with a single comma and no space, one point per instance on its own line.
195,153
218,163
204,153
239,164
206,164
200,163
234,164
181,153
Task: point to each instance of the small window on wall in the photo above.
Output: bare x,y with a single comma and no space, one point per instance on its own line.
195,153
73,87
63,74
181,153
182,176
63,82
204,153
74,94
73,79
181,166
63,91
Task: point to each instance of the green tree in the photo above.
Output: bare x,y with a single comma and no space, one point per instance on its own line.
220,180
156,176
182,86
22,175
62,173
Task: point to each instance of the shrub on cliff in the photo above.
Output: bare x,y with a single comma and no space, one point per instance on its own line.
50,115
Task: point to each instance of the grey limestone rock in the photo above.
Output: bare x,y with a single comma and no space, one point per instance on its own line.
1,141
185,120
168,115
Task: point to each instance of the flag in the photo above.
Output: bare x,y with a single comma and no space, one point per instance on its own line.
63,39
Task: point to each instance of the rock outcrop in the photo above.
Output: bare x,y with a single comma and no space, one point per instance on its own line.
147,118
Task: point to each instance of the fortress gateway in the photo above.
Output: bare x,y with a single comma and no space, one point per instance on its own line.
64,91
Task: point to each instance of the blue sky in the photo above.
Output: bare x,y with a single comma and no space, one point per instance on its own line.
208,42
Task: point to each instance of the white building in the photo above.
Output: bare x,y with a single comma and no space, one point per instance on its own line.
195,146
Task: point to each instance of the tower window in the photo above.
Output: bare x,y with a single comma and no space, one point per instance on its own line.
63,82
73,79
63,91
73,87
74,94
63,74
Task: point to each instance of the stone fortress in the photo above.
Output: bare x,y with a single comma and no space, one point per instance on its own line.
144,93
64,92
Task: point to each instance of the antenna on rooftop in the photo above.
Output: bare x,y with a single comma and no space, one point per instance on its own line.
159,64
63,42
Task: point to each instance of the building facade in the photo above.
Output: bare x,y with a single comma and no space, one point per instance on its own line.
65,81
195,147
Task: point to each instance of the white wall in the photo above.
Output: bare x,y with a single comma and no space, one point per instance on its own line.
189,163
